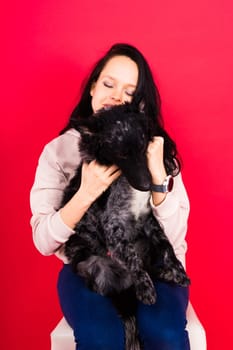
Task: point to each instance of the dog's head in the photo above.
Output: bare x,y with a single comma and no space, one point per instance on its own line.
120,136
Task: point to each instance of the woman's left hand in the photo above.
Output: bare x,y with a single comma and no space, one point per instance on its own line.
155,160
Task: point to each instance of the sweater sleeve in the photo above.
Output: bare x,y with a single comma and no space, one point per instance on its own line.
56,166
172,215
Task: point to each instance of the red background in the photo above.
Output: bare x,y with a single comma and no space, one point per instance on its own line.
47,48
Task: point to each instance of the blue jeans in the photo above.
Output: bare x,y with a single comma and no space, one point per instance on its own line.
97,326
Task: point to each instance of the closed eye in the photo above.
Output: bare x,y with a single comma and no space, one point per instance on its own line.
107,84
129,93
110,86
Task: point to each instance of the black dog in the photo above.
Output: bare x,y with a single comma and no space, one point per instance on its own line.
120,247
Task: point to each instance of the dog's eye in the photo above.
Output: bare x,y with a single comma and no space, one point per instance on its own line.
122,156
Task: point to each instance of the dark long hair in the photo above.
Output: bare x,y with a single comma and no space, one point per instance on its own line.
146,97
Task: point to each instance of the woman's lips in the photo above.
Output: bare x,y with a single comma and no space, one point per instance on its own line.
108,106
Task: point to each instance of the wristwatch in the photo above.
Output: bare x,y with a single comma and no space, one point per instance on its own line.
166,186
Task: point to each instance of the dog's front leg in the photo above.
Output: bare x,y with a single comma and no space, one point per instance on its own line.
123,252
167,267
144,286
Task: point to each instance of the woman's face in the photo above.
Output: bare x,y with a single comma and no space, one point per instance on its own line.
116,84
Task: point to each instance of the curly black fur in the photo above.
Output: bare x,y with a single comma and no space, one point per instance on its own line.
120,248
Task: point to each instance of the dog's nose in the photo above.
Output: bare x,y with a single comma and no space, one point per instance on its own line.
137,173
140,184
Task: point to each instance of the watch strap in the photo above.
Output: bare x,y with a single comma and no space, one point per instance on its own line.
158,188
165,187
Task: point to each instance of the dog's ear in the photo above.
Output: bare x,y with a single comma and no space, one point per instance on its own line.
84,130
88,127
90,140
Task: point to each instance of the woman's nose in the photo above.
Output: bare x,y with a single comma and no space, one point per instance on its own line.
116,96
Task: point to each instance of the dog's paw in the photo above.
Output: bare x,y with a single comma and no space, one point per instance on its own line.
177,276
183,280
147,298
145,290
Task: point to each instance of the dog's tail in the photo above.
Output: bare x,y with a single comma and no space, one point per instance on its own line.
125,304
132,341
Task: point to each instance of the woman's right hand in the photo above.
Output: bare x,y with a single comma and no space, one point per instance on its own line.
97,178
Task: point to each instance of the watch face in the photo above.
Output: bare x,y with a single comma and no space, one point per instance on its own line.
170,184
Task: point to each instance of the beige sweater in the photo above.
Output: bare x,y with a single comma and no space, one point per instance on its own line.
56,166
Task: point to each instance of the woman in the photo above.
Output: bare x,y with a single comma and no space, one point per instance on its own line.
122,75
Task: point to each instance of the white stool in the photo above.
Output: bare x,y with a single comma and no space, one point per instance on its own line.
62,336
